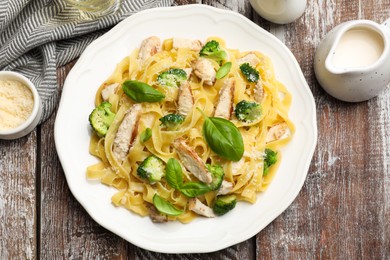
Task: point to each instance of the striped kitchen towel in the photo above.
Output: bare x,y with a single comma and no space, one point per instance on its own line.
38,36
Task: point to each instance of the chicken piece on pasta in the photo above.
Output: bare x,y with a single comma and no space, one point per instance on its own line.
149,47
224,106
194,45
191,161
185,100
155,215
204,69
108,90
276,132
226,187
199,208
188,72
250,58
259,92
126,132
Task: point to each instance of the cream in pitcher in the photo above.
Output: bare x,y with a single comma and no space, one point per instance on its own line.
358,48
352,63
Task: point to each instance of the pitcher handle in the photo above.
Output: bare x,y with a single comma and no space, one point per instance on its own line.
387,24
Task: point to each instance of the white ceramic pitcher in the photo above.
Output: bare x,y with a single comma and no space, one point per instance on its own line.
352,63
279,11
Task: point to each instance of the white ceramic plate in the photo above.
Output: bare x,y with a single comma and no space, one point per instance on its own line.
72,130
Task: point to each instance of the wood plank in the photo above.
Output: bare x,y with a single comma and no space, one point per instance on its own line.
17,198
67,231
343,209
244,250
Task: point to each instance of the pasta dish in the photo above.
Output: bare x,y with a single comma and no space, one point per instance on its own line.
185,128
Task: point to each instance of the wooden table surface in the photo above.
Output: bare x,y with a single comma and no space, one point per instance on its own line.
342,211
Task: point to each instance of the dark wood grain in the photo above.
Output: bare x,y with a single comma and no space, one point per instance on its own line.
342,211
18,215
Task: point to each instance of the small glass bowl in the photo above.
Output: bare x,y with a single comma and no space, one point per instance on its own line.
32,121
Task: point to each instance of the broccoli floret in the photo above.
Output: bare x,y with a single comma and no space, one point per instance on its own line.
217,176
270,158
151,169
172,77
224,204
172,121
101,118
250,73
213,50
247,112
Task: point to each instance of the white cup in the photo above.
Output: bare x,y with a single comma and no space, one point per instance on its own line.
32,121
279,11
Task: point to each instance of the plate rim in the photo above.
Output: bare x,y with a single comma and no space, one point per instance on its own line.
192,7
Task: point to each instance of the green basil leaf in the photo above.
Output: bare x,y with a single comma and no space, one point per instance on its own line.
146,135
174,177
224,138
141,92
194,189
223,70
165,206
174,174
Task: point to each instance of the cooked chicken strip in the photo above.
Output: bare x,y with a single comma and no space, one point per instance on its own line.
225,188
109,90
250,58
126,132
155,215
185,100
188,71
259,91
236,166
204,69
199,208
191,160
149,47
224,106
194,45
275,132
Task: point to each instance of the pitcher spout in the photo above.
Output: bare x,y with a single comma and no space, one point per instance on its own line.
329,66
333,66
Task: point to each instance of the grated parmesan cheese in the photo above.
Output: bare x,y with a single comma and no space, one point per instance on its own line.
16,103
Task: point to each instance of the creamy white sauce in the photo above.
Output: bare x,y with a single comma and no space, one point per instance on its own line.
16,103
358,47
